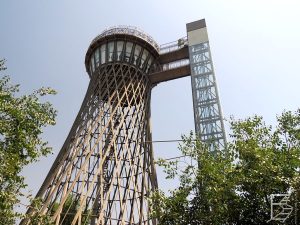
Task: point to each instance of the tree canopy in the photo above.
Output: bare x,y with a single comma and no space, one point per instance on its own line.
234,186
22,119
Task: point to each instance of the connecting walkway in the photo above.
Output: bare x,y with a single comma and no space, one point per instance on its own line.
174,61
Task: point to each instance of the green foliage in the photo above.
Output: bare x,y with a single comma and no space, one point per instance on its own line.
233,186
22,119
38,219
69,210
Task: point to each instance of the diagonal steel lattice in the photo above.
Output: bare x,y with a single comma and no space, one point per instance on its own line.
105,172
107,167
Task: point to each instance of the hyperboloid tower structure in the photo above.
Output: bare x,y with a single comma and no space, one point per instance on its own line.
104,171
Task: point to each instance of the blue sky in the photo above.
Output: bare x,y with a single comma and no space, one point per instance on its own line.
255,48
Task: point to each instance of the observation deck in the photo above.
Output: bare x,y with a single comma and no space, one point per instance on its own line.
131,45
122,45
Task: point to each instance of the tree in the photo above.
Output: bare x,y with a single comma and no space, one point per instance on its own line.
22,119
233,186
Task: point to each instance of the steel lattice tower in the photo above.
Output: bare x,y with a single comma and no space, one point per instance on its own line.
105,171
209,124
105,168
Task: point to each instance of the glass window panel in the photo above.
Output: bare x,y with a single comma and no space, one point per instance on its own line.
141,63
137,51
110,51
119,49
110,46
145,54
103,53
149,63
120,46
128,51
97,57
144,57
93,63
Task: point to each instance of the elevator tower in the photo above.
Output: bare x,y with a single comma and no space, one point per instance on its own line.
105,171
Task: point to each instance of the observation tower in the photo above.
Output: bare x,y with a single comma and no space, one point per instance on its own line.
105,170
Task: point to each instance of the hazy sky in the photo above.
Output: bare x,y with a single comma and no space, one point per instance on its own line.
255,47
